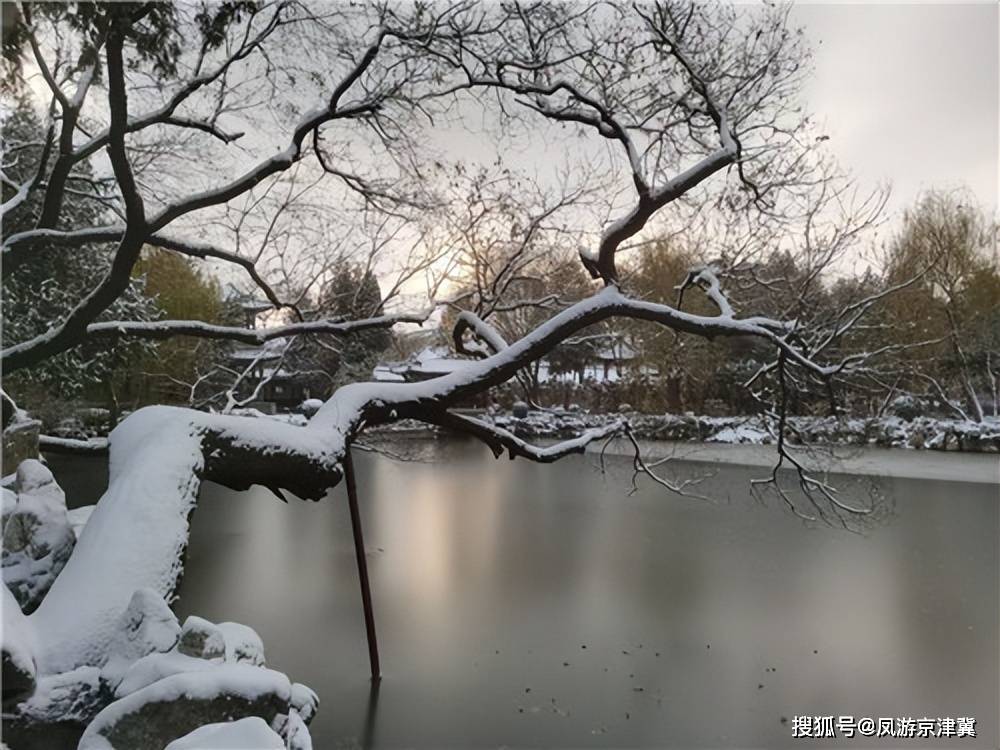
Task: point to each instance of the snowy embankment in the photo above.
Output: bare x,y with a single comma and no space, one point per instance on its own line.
153,487
889,432
103,650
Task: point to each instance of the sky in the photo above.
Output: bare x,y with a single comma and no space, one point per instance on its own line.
909,93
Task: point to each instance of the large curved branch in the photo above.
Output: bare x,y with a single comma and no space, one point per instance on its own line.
603,265
359,404
651,198
168,451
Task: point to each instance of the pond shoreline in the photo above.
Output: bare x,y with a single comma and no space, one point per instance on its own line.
864,460
919,434
922,448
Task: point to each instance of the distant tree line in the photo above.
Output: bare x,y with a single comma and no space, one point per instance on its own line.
937,335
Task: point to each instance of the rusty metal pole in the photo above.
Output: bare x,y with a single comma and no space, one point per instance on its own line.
359,551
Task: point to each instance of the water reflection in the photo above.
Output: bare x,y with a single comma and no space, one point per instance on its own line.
368,735
542,606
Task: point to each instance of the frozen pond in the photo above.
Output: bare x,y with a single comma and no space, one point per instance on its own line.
526,605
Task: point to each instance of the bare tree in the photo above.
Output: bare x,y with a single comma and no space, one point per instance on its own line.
695,104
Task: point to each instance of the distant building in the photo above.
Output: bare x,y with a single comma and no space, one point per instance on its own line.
430,362
278,388
605,364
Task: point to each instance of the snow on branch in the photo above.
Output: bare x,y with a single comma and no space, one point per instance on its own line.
483,331
16,250
499,439
22,191
202,250
706,278
54,444
293,152
165,114
165,329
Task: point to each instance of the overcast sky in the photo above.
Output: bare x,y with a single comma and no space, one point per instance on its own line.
909,92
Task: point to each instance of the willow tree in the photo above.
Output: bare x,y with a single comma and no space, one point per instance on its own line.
953,307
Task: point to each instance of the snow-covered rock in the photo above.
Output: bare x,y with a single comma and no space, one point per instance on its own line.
146,626
37,536
78,518
202,639
175,706
75,696
20,439
33,475
296,732
311,406
154,667
105,625
251,733
242,643
305,701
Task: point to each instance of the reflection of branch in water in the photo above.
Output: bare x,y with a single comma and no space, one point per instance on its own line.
816,489
641,466
800,476
368,733
419,455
